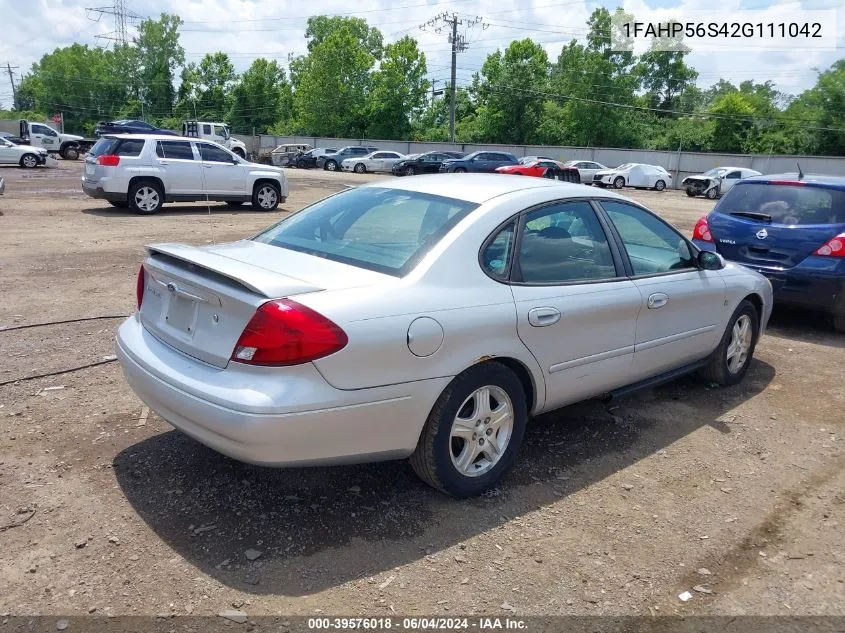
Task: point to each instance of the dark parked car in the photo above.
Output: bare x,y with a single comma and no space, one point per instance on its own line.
332,162
129,126
480,162
428,163
792,230
308,160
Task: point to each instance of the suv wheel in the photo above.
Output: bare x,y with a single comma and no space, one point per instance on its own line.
145,197
265,196
331,165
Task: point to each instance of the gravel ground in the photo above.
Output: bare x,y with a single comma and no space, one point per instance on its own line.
735,495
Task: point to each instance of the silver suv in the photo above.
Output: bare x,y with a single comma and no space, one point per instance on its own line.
143,171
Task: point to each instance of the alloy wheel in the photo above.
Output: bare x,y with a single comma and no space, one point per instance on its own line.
481,430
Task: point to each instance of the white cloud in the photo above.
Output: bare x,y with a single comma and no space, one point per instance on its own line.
247,29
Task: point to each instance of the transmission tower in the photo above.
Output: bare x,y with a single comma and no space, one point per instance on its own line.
451,22
121,16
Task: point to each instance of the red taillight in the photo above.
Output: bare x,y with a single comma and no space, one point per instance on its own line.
108,160
283,332
702,230
139,286
834,248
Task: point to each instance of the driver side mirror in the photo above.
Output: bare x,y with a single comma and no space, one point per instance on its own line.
708,260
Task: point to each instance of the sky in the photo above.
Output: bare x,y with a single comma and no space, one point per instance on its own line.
247,29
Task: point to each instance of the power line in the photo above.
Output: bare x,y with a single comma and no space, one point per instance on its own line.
9,69
121,16
459,45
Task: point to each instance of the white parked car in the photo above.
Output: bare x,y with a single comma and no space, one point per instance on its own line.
143,172
26,156
586,168
634,175
429,317
373,162
716,182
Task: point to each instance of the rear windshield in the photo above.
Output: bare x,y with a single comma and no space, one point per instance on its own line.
119,146
785,204
380,229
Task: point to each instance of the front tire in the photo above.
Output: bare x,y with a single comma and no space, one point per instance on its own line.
729,363
460,170
29,161
145,197
239,152
474,431
692,193
330,165
619,182
712,193
410,171
265,196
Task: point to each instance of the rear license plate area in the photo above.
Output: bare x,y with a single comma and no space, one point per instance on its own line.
89,169
181,315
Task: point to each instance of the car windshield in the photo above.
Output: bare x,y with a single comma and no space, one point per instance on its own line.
381,229
785,204
716,171
624,167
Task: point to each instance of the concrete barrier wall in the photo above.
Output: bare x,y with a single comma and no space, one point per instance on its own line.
679,164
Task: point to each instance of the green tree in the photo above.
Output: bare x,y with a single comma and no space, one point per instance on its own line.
665,74
333,79
399,90
261,99
732,122
319,27
159,54
822,106
510,90
206,87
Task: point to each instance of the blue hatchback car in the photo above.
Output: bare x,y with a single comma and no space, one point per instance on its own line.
790,228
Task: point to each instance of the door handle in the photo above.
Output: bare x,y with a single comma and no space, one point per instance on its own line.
162,162
208,166
541,317
657,300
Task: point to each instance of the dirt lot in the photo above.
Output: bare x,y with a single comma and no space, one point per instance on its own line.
614,510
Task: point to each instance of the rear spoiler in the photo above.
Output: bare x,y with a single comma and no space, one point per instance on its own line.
254,278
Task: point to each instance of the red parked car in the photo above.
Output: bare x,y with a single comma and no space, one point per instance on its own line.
542,169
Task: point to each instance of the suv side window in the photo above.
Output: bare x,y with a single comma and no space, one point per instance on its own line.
214,154
734,174
564,243
652,245
175,150
206,129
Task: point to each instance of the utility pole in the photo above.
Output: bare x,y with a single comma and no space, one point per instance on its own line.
121,16
459,45
9,69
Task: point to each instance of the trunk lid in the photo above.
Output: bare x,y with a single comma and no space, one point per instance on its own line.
199,300
776,226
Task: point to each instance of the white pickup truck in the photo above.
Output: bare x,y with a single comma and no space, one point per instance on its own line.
217,132
42,136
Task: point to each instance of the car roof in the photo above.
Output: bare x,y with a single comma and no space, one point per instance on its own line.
157,137
479,188
837,182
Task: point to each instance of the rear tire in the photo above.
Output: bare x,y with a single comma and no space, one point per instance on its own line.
266,196
145,197
659,185
70,153
29,161
729,363
474,431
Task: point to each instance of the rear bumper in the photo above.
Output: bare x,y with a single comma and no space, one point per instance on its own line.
98,192
817,283
273,416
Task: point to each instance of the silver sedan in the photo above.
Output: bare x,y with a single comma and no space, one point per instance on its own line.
430,318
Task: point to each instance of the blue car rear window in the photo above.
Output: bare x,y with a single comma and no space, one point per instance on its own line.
785,204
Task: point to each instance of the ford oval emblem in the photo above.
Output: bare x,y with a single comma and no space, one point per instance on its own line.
172,287
761,234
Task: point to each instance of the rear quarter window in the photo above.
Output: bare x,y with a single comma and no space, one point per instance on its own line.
786,204
129,147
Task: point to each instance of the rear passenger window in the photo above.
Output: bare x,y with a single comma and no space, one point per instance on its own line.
564,243
497,254
176,150
214,154
130,147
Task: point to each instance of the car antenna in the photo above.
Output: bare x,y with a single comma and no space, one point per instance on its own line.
800,173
